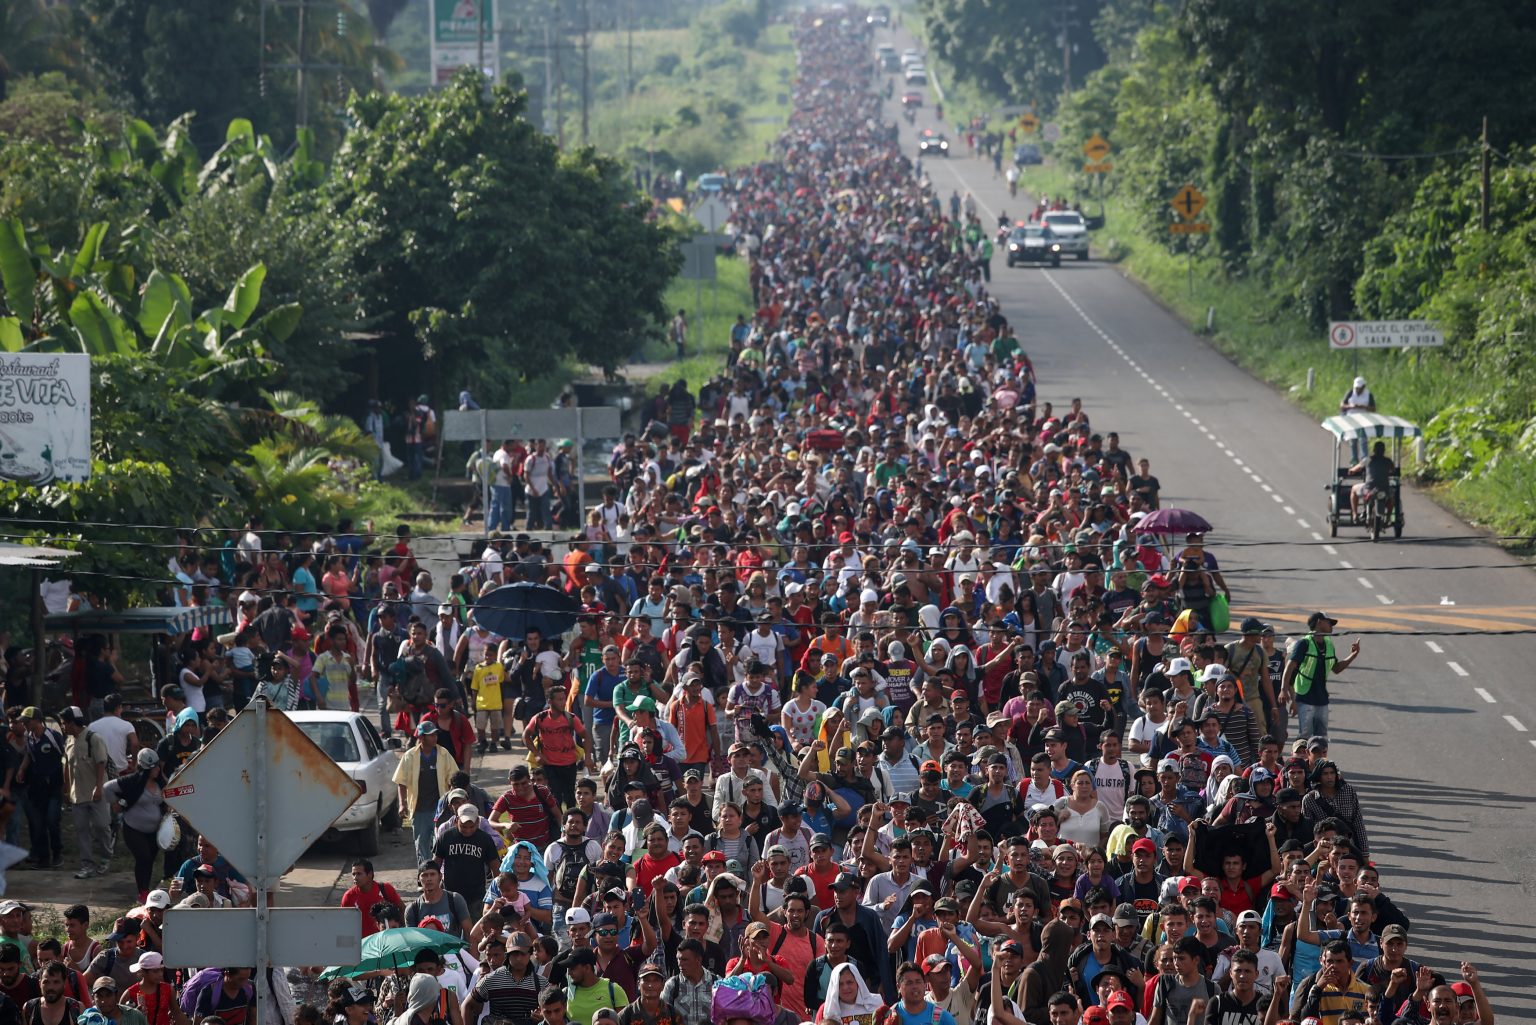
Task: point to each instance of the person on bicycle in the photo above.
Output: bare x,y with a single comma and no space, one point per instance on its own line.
1376,472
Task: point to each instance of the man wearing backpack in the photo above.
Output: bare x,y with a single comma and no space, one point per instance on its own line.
1304,684
53,1007
914,1007
564,859
561,743
1111,776
1177,990
85,773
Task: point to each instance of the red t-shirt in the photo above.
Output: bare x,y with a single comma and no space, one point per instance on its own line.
648,868
1241,899
822,881
355,898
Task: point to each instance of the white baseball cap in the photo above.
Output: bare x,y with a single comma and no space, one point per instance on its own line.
1177,666
577,916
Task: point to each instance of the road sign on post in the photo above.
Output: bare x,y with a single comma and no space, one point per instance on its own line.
1096,148
455,43
1051,132
1028,123
1384,334
1188,201
262,792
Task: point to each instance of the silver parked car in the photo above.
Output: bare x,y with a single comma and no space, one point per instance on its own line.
354,744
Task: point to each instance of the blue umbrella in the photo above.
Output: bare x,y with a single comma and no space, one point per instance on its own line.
513,610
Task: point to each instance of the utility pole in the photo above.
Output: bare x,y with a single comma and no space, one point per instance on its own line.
586,67
629,48
480,41
1483,204
301,117
559,99
549,80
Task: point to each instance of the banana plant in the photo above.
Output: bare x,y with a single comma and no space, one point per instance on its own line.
94,306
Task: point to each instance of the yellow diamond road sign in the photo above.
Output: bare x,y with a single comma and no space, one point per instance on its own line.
1096,148
1028,123
1188,201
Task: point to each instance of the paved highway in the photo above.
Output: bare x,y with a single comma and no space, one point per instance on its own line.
1433,723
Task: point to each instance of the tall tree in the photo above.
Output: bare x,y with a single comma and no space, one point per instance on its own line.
485,255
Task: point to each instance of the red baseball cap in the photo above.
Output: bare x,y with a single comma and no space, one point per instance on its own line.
1095,1016
713,856
1463,991
958,693
1144,844
1120,998
845,538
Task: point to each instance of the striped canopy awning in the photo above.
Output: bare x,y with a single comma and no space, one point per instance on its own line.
1369,426
153,620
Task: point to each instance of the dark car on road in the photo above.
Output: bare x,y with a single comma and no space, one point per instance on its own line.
932,143
1030,243
1027,153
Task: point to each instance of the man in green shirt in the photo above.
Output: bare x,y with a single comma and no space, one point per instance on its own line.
585,993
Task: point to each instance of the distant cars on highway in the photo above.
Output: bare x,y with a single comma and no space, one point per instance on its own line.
932,142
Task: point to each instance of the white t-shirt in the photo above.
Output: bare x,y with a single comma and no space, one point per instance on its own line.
114,732
1269,968
193,691
765,648
1144,729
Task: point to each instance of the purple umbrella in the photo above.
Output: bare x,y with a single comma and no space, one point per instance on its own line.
1173,521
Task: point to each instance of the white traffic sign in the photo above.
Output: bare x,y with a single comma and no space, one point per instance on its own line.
1384,334
220,791
197,938
1051,132
262,791
712,213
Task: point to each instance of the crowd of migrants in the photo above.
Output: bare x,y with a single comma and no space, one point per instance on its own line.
881,710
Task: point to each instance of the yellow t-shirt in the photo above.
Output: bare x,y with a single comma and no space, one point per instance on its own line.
486,683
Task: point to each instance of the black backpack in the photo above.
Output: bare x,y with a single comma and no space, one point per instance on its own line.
568,872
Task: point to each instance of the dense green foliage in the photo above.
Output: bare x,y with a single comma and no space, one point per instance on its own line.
239,289
481,243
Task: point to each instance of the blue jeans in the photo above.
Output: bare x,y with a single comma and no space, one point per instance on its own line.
415,458
421,833
499,517
1311,720
538,511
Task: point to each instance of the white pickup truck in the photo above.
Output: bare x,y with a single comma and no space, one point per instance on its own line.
1070,231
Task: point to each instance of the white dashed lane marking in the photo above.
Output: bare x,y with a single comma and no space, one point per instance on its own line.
1482,693
1516,723
1456,668
1435,647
